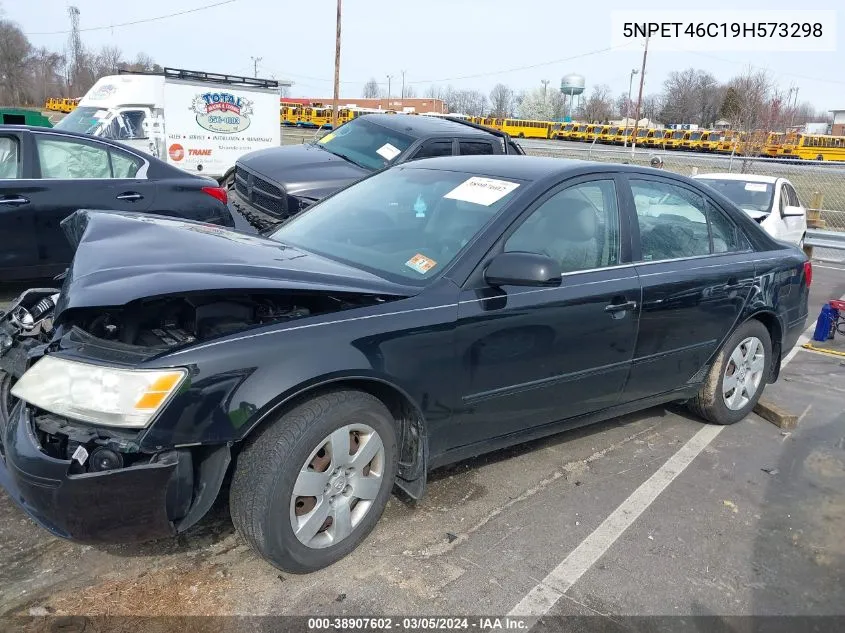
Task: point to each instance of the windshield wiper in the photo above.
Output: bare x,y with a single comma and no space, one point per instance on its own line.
345,157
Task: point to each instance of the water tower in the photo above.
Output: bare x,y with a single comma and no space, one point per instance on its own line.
572,86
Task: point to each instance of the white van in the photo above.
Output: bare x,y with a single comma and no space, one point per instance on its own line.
200,122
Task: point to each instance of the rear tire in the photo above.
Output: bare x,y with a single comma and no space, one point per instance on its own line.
329,522
738,376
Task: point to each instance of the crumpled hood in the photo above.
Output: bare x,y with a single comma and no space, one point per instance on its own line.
304,170
121,257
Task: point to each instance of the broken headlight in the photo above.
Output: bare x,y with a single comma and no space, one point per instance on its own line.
107,396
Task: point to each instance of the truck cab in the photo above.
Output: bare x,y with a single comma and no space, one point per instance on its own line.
199,122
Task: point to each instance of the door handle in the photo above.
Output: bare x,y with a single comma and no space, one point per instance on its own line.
132,196
16,200
620,307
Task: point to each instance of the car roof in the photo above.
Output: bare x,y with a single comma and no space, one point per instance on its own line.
421,125
744,177
528,167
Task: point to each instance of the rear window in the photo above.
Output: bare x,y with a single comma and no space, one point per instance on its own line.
475,148
746,194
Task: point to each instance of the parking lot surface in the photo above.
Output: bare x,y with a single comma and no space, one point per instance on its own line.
650,514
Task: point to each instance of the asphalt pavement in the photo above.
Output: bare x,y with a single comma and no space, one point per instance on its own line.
650,514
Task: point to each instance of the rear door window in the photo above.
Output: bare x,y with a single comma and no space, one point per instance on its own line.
672,221
10,158
433,149
68,159
475,148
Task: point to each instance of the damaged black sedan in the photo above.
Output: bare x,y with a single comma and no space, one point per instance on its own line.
432,312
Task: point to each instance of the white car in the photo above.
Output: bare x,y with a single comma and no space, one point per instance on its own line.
770,200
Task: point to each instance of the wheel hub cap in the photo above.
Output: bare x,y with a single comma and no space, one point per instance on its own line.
743,373
336,487
337,484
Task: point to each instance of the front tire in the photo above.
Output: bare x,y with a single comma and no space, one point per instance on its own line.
738,375
310,488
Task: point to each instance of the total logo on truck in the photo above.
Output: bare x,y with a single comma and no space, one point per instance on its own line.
200,122
222,112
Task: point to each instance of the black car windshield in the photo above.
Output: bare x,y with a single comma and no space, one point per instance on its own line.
746,194
83,120
404,224
365,143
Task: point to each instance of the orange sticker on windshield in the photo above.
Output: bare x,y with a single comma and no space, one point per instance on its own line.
421,263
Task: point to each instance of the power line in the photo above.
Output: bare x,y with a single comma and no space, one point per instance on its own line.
484,74
518,68
774,72
143,21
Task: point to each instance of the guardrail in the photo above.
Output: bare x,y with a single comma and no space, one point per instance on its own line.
825,239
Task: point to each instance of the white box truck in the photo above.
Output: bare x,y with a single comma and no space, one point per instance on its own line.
200,122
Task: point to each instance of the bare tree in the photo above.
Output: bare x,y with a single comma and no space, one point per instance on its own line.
691,96
47,75
652,104
599,106
108,61
754,107
410,92
371,89
435,92
15,64
501,98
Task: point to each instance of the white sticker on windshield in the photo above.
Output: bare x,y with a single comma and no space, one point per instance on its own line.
100,114
388,152
755,186
484,191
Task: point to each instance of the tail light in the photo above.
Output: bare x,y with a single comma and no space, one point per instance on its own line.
808,273
219,193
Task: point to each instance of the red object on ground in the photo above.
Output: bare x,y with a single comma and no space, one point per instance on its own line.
836,304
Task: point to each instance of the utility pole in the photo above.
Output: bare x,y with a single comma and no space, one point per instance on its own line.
255,61
336,95
389,79
403,87
545,83
639,99
75,46
634,71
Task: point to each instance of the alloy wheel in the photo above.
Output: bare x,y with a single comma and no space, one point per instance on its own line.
336,486
743,373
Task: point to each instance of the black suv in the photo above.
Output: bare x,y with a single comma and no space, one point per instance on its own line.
273,184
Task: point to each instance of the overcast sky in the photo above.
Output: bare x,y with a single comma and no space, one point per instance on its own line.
468,43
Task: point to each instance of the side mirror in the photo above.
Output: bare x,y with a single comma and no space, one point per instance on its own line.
523,269
793,212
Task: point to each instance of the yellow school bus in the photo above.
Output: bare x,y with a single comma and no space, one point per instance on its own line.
816,147
727,141
644,134
658,139
678,136
579,131
772,145
695,140
563,132
623,135
522,128
608,133
709,141
592,133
